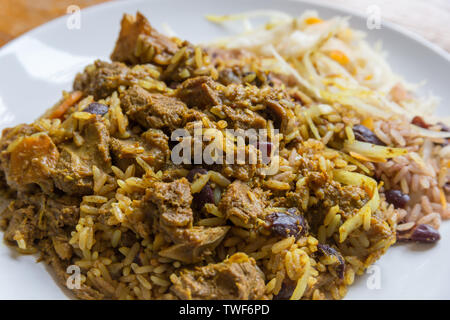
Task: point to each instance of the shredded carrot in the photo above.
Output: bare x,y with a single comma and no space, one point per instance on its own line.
313,20
369,77
368,122
443,200
365,158
60,110
339,57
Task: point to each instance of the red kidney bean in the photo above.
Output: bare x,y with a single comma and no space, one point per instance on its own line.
444,127
364,134
425,233
206,195
325,249
286,291
418,121
397,198
420,233
96,108
194,173
287,224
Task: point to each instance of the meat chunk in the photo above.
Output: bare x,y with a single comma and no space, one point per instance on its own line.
193,244
157,144
230,76
139,43
199,92
30,160
21,226
238,170
243,118
11,134
152,146
101,79
171,203
62,247
7,137
235,278
153,110
240,204
61,212
234,66
243,172
125,148
279,113
74,171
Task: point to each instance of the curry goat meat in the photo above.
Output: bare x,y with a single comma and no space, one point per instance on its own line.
91,183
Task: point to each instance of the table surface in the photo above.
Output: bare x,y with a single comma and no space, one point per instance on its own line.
429,18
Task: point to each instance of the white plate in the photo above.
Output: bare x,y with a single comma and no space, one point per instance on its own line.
36,67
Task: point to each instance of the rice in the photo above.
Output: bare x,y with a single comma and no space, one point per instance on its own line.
282,245
277,185
115,239
414,176
302,282
95,199
199,183
159,281
218,178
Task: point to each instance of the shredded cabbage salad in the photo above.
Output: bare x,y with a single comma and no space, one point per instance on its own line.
331,62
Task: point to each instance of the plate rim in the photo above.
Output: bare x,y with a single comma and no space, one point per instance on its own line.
317,3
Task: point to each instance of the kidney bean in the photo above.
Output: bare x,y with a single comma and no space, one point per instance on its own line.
96,108
397,198
286,291
287,224
194,172
206,195
325,249
418,121
364,134
425,233
444,127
